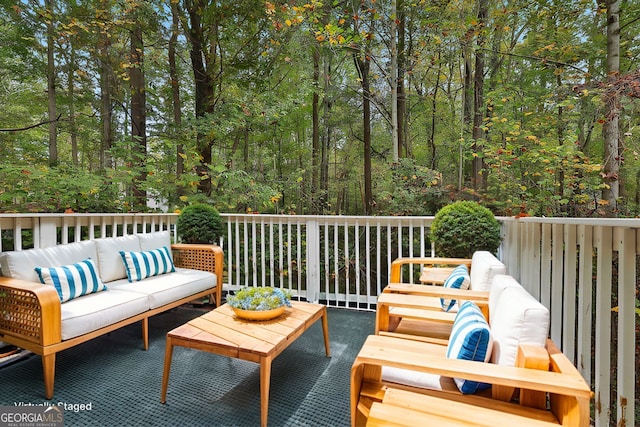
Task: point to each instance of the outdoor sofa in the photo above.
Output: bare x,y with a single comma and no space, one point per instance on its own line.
97,286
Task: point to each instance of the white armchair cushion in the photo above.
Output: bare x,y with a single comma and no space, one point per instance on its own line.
484,266
518,318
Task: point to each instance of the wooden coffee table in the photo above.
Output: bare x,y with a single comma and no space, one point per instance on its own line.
221,332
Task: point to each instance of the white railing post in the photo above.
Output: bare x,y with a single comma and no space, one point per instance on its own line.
313,260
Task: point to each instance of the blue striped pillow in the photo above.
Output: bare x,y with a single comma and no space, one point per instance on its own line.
140,265
72,281
470,339
458,279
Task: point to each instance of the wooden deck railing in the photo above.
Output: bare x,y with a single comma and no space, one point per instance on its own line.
584,271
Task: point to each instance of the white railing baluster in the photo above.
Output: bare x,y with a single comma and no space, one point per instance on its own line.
585,298
556,289
626,378
603,325
569,295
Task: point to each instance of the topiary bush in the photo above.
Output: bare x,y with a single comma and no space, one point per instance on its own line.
199,223
461,228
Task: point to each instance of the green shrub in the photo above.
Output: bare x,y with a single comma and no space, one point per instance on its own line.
461,228
199,223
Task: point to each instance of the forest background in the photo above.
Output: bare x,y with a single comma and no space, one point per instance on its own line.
379,107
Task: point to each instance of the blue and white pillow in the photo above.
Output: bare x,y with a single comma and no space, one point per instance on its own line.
470,339
72,281
140,265
458,279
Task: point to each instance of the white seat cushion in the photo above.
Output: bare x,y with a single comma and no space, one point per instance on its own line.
168,287
91,312
484,266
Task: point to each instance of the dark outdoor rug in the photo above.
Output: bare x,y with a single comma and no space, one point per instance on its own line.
121,382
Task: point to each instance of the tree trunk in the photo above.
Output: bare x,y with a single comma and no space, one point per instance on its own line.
402,66
203,85
176,102
610,129
138,114
477,178
51,87
106,89
315,137
73,128
394,82
363,64
328,132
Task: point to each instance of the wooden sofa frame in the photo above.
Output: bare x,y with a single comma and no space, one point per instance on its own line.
34,316
551,390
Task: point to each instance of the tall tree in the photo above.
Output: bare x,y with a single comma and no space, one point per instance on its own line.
51,83
477,177
138,107
610,128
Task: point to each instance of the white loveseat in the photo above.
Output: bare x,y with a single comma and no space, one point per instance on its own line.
34,316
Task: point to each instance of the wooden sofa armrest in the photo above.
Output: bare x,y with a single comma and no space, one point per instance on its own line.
396,266
201,257
379,351
391,306
29,314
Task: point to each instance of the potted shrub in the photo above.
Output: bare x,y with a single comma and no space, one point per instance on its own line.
461,228
199,223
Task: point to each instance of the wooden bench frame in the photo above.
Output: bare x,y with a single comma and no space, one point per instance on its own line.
435,270
553,377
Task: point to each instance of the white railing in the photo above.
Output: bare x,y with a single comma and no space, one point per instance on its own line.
583,270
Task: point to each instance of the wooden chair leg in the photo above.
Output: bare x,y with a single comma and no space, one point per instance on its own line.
145,333
49,371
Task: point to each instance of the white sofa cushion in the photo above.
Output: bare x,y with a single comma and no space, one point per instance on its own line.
143,264
91,312
73,280
484,266
22,264
109,261
168,287
518,318
155,240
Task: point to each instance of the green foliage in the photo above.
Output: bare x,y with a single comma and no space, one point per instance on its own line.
413,190
461,228
59,189
199,223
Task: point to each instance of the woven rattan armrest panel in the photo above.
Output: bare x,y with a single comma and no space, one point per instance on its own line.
29,312
201,257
